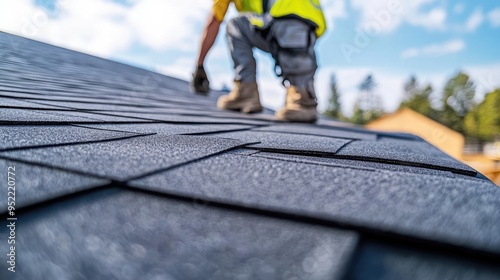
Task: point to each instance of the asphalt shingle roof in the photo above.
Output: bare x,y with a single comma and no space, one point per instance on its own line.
122,173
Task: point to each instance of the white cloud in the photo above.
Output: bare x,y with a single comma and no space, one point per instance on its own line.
14,13
93,26
432,20
486,77
103,27
164,25
449,47
181,68
409,53
474,21
390,14
334,9
444,49
494,17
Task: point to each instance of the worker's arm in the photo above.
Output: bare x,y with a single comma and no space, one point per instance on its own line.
200,82
208,38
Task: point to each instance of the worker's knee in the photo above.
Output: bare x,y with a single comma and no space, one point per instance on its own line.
235,26
296,63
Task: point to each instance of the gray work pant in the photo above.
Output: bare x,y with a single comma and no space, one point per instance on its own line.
296,56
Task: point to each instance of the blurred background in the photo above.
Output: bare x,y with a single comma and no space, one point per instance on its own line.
429,67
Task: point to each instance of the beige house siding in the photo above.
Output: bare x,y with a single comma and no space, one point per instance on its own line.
409,121
447,140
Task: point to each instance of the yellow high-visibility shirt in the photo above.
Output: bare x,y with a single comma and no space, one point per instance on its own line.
306,9
220,8
309,10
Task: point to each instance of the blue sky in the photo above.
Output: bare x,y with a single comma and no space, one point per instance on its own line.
392,39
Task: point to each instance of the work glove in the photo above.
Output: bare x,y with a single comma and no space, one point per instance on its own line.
200,82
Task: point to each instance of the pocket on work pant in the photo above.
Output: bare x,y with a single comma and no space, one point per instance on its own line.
291,34
292,46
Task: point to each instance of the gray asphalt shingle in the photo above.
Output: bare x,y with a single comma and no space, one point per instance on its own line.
410,204
156,238
14,103
420,153
35,184
29,136
124,159
374,165
22,116
289,142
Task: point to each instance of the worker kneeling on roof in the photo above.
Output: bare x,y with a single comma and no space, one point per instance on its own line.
287,29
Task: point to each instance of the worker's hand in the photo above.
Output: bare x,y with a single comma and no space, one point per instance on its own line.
200,82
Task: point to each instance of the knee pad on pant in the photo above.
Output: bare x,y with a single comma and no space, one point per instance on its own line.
296,63
292,46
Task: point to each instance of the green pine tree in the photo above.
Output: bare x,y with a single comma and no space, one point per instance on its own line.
358,115
483,122
368,107
334,109
457,101
418,98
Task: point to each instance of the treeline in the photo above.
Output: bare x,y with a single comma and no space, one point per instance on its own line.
454,106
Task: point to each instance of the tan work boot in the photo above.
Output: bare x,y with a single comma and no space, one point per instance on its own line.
300,106
244,97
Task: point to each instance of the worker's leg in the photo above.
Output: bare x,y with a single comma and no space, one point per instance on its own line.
297,60
294,52
242,38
